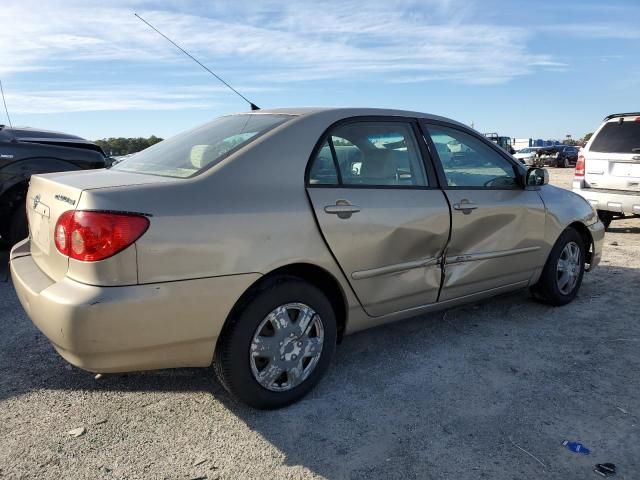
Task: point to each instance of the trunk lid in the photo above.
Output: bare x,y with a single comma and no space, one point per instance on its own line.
612,158
46,201
51,195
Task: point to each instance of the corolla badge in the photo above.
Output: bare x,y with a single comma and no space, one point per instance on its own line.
36,201
64,198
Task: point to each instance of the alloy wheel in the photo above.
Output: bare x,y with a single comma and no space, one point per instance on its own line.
569,268
286,347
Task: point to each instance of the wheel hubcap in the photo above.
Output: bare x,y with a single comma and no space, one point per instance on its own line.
286,347
569,268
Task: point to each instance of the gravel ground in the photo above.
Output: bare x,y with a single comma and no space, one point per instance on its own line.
462,394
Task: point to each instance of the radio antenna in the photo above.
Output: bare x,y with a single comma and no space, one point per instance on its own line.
5,104
253,105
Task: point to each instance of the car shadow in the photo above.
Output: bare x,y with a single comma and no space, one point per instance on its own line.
401,400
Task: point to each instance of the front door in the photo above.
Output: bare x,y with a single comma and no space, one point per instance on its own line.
497,232
380,213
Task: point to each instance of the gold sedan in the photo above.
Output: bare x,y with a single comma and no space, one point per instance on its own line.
256,241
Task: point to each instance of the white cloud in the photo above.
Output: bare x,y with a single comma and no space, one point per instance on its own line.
264,43
118,98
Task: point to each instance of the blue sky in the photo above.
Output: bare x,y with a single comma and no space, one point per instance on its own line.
521,68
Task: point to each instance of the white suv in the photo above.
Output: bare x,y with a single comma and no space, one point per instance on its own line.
608,168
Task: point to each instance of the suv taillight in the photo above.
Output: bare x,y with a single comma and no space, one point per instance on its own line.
90,236
580,166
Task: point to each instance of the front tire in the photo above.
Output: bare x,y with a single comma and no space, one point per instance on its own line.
278,346
562,274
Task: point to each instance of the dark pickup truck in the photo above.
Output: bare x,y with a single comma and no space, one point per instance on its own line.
26,151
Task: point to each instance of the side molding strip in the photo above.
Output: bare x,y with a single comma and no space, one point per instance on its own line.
488,255
398,267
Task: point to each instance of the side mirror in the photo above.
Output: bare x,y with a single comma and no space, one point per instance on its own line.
537,177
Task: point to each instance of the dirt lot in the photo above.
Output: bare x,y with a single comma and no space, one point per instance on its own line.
461,395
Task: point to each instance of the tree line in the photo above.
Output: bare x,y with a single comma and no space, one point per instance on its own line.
123,146
578,142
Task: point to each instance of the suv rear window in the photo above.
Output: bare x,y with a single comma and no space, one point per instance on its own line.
195,150
616,137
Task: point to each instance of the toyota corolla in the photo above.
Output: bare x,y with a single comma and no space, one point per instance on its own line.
257,241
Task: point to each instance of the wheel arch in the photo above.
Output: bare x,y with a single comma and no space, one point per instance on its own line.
313,274
584,232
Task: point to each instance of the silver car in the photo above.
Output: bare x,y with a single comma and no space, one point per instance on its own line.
257,241
608,168
528,157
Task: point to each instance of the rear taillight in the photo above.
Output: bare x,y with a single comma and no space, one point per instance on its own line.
580,166
91,236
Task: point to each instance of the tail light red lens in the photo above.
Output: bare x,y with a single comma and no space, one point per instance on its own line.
91,236
580,166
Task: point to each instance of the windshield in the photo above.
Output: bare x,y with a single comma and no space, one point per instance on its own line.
616,137
526,150
193,151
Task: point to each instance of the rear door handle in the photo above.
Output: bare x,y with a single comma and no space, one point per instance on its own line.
465,205
342,208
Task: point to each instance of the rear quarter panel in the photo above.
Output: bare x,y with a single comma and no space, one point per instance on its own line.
248,214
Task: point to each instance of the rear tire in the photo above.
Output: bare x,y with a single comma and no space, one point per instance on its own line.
562,274
18,228
257,341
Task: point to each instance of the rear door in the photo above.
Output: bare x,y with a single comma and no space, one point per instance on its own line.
497,226
380,211
612,159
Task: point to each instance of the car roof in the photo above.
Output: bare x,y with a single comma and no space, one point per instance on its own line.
345,112
33,134
615,115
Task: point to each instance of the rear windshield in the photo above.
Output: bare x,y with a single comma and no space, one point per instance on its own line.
195,150
618,137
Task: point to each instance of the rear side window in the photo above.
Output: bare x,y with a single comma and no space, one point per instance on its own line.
323,170
369,153
195,150
616,137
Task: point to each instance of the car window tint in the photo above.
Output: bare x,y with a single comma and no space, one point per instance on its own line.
469,162
378,154
323,169
616,137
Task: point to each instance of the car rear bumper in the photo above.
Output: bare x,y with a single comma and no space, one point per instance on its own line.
128,328
528,161
627,203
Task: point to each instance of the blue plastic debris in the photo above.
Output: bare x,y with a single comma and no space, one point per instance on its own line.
576,447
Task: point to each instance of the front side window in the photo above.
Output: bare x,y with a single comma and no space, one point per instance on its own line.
371,154
193,151
469,162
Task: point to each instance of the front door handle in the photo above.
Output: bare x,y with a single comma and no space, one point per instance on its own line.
342,208
465,206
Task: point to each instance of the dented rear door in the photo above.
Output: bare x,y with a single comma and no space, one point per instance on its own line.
385,221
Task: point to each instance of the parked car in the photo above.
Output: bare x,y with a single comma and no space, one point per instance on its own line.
528,156
26,151
255,243
608,168
562,156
